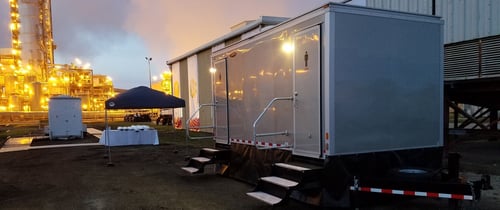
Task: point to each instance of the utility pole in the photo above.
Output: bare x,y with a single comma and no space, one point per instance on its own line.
148,59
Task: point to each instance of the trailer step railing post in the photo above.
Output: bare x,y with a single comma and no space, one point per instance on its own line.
255,135
188,128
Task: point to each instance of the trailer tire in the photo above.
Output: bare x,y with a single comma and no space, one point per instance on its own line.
413,173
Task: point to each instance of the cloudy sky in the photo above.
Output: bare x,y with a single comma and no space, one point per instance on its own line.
115,36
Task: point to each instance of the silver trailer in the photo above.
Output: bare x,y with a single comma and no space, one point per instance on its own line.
339,80
354,92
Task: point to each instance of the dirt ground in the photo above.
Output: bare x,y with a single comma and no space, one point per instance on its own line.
143,177
149,177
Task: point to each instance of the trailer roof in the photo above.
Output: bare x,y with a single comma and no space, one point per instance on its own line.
263,20
277,21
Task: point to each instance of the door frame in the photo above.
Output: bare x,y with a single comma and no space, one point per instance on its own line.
315,88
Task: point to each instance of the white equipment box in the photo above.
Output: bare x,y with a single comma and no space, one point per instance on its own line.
65,117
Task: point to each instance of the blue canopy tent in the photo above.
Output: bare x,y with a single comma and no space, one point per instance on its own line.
144,98
140,98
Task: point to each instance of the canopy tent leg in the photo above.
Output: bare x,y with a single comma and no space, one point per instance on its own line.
110,163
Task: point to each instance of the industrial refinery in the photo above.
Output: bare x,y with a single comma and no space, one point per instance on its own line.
28,75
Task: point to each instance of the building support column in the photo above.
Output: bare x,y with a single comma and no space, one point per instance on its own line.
493,123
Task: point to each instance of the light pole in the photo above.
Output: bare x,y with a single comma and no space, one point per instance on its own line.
148,59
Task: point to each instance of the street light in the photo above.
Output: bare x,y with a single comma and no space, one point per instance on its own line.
148,59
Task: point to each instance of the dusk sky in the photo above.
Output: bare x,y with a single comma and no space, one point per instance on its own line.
115,36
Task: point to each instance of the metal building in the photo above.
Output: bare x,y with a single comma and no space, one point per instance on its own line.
464,19
472,57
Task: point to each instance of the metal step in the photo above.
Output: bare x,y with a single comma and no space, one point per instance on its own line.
201,159
280,181
190,169
265,197
210,150
292,167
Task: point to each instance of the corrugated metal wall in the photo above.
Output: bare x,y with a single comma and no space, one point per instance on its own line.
478,58
464,19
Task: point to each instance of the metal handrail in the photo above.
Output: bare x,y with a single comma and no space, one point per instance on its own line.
255,135
199,127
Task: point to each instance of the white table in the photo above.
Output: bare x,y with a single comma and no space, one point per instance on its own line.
129,137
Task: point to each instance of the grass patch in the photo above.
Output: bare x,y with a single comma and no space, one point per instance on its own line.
166,134
43,141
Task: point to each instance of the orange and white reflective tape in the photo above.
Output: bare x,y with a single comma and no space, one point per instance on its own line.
413,193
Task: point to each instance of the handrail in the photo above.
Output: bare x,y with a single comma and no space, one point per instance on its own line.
199,127
255,135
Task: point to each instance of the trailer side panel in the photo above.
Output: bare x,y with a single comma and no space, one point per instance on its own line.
387,82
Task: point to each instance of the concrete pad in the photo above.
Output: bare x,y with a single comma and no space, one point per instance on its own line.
95,132
16,144
24,143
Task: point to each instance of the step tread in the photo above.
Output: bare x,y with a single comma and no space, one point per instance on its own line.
210,150
280,181
190,169
265,197
201,159
293,167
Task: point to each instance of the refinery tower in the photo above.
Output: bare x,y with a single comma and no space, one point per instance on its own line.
28,75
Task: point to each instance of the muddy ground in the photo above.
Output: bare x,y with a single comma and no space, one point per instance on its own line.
149,177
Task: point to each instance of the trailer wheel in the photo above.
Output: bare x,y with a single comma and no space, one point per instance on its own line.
413,173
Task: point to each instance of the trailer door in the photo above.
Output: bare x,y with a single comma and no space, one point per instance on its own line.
220,91
307,131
